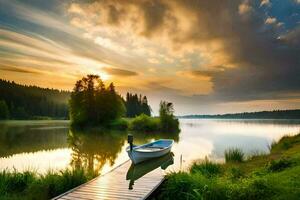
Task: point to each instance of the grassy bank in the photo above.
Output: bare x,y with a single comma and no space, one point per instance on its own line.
31,186
272,176
144,123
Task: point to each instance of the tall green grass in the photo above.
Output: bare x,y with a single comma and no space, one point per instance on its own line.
234,155
29,185
206,168
188,186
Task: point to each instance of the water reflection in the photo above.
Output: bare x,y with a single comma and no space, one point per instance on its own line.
92,149
137,171
16,138
44,145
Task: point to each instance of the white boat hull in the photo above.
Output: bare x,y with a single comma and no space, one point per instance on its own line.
137,156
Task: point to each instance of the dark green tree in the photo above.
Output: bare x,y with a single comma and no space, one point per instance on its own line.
4,112
137,105
27,102
167,119
92,103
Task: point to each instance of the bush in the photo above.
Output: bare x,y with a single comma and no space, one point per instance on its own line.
119,124
279,165
186,186
206,168
234,155
145,123
168,122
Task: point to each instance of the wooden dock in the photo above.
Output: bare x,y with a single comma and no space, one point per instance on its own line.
113,185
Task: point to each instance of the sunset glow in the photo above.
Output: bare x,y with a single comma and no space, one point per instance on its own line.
203,56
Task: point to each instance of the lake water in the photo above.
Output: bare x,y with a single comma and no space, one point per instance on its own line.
51,145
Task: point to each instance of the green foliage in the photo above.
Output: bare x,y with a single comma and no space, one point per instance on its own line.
165,123
136,105
4,112
234,155
279,165
119,124
93,104
196,186
25,102
285,143
206,168
252,179
29,185
168,122
253,188
183,185
145,123
236,173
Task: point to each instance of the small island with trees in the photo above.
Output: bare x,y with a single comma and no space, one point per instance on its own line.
94,104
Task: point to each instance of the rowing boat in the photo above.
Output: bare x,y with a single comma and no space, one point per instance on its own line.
148,151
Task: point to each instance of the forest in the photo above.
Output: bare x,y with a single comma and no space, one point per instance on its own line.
92,103
30,102
275,114
136,105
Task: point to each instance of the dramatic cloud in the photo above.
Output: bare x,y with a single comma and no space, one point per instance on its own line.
214,30
119,72
19,70
214,53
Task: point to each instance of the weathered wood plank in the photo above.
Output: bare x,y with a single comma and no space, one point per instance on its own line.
113,185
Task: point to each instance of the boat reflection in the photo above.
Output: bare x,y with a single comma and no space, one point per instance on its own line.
135,172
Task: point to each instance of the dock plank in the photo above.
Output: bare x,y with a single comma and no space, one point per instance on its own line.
113,185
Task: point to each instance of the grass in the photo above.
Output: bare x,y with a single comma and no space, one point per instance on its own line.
279,165
266,176
31,186
206,168
234,155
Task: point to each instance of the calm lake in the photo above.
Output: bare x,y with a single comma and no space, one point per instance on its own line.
51,145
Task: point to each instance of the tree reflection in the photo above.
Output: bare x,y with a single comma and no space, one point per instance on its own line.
93,148
18,138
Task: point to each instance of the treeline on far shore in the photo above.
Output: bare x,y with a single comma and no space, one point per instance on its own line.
31,102
275,114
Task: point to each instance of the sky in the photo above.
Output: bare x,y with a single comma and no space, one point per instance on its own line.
207,57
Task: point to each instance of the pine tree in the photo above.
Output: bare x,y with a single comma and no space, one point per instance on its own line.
4,112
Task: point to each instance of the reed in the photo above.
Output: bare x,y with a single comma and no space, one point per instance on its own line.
234,155
206,168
